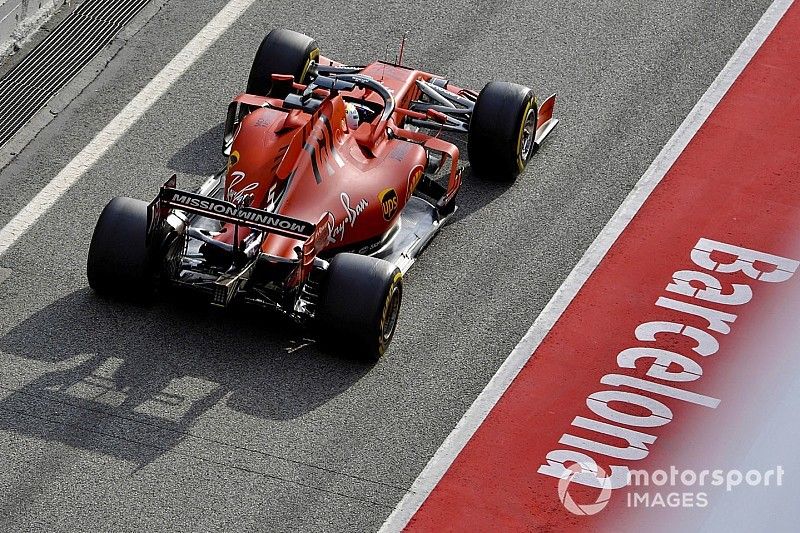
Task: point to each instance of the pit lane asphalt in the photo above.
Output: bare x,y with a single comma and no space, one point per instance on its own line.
173,417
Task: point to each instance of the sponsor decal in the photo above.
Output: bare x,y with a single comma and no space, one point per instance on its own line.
337,229
413,180
389,203
233,159
264,121
368,249
243,196
229,212
271,195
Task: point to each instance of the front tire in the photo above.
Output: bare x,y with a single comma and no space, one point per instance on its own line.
281,52
120,264
502,130
360,305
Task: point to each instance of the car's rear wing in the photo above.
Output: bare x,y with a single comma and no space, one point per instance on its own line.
170,197
314,237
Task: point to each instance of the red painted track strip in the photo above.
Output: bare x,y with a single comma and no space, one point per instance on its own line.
737,182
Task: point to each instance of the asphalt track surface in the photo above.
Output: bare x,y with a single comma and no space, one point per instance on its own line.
176,417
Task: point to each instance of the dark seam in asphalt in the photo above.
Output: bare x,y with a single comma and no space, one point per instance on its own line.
205,439
197,457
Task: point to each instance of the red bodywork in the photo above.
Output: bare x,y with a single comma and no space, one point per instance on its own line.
353,184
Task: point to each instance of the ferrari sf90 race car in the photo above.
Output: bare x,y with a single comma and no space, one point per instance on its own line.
336,181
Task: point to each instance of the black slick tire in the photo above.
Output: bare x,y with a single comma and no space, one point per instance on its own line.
499,131
120,264
281,52
360,305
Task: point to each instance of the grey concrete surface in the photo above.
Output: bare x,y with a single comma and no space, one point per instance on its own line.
19,19
173,417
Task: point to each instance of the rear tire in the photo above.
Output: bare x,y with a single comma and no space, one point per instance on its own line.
281,52
120,264
360,305
500,137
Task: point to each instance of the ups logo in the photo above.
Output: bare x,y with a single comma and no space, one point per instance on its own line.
389,203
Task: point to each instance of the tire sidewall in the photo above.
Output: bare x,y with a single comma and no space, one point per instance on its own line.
356,304
120,263
281,52
496,130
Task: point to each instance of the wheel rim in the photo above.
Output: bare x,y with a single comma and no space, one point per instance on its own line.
528,135
392,312
313,56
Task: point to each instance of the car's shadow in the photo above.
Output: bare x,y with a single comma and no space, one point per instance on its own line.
131,381
122,374
476,191
201,157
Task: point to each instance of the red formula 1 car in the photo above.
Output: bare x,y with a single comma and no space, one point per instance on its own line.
332,189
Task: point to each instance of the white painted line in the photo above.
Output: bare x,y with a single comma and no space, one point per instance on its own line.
483,404
75,169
